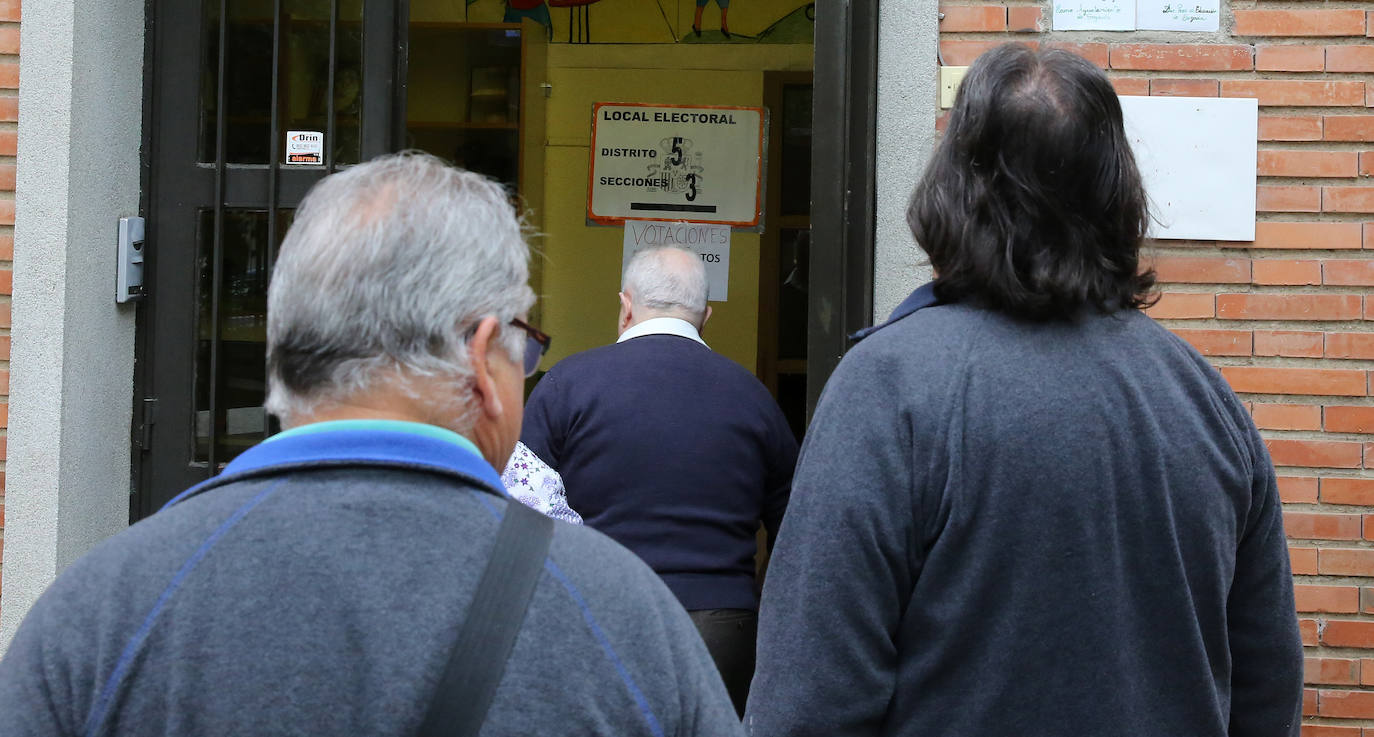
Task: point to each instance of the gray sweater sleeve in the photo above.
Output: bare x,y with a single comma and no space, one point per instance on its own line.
1266,649
34,684
844,539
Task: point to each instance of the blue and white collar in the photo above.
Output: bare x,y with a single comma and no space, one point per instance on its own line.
357,447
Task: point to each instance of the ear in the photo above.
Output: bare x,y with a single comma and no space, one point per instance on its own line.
626,312
480,349
704,318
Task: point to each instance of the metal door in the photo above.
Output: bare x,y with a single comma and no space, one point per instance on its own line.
227,81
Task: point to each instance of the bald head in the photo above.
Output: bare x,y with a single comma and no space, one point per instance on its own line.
665,282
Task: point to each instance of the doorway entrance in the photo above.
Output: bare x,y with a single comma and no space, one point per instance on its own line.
252,101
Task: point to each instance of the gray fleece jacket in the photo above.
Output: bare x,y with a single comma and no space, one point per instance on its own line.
1043,530
316,588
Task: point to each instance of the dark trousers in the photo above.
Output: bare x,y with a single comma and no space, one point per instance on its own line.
730,635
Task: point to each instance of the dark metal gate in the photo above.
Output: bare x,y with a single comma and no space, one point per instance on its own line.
230,82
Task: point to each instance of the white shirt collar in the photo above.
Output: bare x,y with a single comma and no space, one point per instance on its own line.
662,326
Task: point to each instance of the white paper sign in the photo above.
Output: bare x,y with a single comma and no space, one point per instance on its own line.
710,242
1178,15
670,163
1197,156
305,148
1094,15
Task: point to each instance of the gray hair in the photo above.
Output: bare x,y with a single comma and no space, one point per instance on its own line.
657,279
385,269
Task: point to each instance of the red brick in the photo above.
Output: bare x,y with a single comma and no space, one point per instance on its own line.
1296,93
1179,306
1307,629
9,40
1367,607
1182,57
1348,199
1184,87
1354,59
1348,128
1345,22
1347,491
1328,730
1297,489
1325,236
1308,163
9,109
1131,86
8,142
1290,128
973,18
9,76
1287,198
6,216
1093,52
1288,306
1288,343
1287,416
1330,671
1346,704
1283,380
1285,272
1349,419
1314,453
1367,163
962,53
1217,342
1303,561
1309,696
1192,270
1331,600
1290,58
1350,345
9,10
1346,562
1311,526
1368,235
1025,19
1349,272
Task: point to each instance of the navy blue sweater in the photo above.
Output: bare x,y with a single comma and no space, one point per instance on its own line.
1005,528
674,451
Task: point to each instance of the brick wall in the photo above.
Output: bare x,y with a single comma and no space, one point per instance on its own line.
9,133
1289,318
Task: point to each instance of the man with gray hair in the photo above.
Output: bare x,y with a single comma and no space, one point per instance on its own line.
674,451
364,572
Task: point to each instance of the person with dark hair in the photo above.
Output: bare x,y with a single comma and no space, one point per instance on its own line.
1023,507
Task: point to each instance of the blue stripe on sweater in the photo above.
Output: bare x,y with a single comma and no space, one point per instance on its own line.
100,710
638,695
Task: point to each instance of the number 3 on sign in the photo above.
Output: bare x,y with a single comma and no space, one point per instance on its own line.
691,187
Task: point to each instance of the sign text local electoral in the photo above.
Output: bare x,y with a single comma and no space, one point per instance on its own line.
673,162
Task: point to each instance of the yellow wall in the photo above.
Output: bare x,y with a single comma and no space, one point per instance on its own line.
581,269
622,21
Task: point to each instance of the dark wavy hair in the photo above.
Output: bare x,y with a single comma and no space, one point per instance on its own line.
1032,204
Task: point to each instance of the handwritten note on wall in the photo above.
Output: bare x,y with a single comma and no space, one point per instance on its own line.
1094,15
1130,15
1178,15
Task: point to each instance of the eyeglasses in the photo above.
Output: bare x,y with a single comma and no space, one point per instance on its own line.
536,345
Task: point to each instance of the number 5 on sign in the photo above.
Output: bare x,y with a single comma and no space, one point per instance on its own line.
676,162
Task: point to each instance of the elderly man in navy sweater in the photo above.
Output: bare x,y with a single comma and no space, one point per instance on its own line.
674,451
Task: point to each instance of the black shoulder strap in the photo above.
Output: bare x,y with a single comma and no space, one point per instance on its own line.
494,620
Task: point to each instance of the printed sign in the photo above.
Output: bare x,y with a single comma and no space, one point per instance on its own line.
305,148
710,242
670,162
1178,15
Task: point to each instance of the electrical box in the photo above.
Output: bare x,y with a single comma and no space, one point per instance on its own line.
950,77
129,266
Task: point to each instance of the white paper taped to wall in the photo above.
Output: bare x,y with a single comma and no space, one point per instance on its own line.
1197,156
